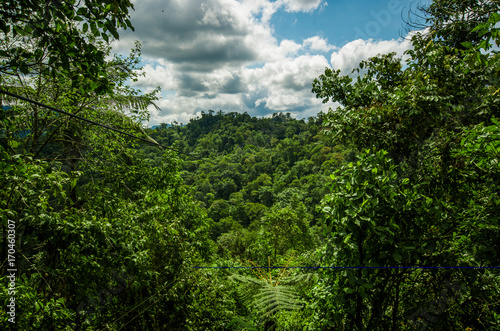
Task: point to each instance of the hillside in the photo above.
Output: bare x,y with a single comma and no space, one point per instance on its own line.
247,169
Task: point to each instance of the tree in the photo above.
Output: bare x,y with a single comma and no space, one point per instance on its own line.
133,235
58,30
45,126
412,129
378,219
282,230
454,20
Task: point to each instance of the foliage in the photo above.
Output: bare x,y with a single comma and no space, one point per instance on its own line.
109,232
272,292
55,33
423,189
100,234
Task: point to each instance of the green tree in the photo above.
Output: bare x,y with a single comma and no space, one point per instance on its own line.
454,21
283,230
54,34
409,197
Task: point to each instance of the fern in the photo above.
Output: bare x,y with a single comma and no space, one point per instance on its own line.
272,291
269,296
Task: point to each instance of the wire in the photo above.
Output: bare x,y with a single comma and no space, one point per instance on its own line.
401,267
140,304
92,122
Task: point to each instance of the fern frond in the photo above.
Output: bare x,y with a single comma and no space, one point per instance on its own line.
129,102
299,280
269,298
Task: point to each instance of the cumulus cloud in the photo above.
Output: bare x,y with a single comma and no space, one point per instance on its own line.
205,35
303,5
288,83
288,47
198,35
223,55
283,85
319,44
351,54
156,75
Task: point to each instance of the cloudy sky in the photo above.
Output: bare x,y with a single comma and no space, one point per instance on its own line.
258,56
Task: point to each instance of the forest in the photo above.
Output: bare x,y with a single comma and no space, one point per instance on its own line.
381,214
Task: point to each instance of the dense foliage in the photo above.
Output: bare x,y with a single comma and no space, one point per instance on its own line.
245,167
424,190
114,234
61,35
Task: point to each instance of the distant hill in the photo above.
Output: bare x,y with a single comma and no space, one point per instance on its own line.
159,126
245,165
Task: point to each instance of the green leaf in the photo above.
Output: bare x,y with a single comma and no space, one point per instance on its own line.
361,291
479,27
113,32
368,285
396,256
467,44
494,18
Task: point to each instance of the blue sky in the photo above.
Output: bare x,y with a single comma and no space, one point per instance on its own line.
342,21
258,56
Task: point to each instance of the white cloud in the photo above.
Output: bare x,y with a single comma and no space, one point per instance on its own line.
283,85
351,54
318,44
289,47
159,75
223,55
197,35
287,83
265,8
303,5
203,35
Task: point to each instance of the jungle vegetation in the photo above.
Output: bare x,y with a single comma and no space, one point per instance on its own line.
113,233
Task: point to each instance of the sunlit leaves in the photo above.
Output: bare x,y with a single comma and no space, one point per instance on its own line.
437,119
52,28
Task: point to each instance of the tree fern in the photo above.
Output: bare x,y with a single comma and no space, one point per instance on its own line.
268,295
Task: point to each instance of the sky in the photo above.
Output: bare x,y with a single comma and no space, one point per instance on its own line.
255,56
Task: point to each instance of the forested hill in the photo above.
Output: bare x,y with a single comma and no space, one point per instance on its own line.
249,167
